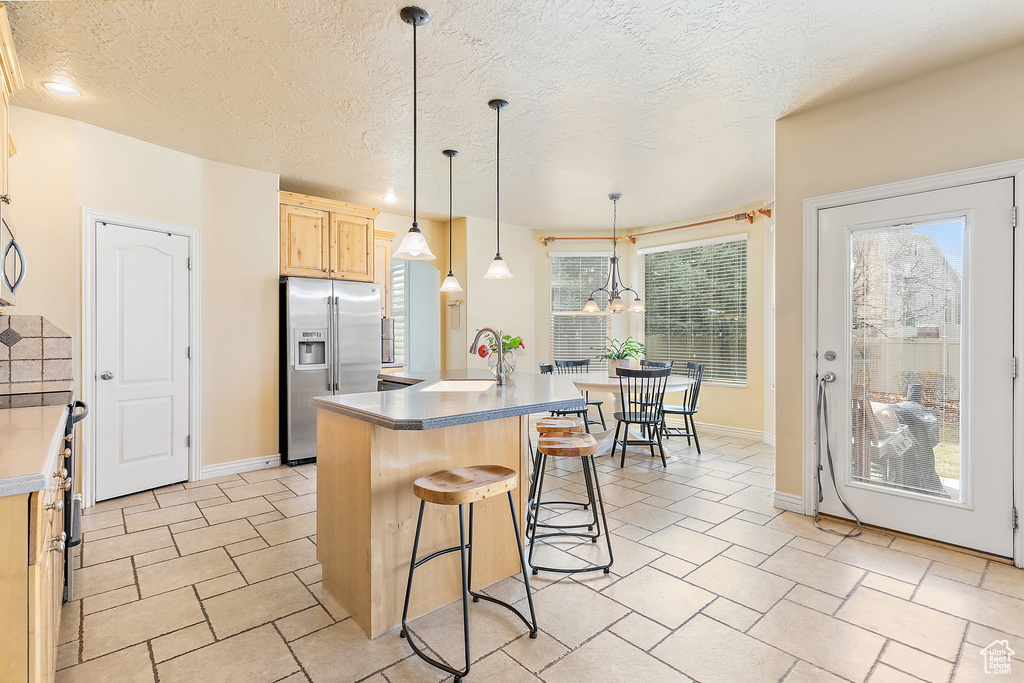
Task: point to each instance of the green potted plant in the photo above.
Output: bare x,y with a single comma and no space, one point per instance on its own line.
621,354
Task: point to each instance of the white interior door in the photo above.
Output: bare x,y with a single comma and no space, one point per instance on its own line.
916,295
142,363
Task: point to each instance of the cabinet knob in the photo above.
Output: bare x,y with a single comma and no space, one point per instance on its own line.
69,437
58,506
66,485
62,474
335,270
67,453
58,543
325,270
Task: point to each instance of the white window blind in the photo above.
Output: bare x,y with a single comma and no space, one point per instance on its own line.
696,299
576,335
397,294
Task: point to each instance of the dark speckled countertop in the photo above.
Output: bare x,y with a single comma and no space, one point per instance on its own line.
415,409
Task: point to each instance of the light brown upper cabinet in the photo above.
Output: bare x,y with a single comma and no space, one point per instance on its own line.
10,76
382,268
326,239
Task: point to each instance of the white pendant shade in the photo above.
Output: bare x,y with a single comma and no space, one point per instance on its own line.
591,307
498,270
616,305
637,306
451,284
414,247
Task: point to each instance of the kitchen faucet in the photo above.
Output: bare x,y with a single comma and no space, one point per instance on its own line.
497,343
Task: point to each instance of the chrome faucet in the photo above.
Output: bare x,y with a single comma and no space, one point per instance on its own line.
497,343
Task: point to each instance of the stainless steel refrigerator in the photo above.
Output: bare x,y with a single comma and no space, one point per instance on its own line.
330,344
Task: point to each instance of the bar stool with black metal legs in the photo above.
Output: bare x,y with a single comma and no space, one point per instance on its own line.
549,427
461,486
582,446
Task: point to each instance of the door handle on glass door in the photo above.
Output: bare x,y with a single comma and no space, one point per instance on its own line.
106,374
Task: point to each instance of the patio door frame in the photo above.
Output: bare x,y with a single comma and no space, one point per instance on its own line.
812,207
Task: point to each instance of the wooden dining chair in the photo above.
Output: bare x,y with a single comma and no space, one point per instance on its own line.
656,364
688,408
578,367
641,393
549,368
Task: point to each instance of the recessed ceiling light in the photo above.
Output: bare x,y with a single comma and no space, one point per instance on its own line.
390,197
62,89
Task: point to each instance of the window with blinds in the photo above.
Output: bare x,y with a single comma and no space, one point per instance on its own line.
696,299
397,294
576,335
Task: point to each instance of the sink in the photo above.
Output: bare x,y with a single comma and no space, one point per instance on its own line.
464,385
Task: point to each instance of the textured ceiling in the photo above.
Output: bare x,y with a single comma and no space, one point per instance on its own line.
671,103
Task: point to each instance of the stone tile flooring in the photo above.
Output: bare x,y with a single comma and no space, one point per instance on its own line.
218,581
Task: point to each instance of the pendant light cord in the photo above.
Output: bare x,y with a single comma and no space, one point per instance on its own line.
415,225
450,182
497,187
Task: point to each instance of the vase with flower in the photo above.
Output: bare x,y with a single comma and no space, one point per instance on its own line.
509,346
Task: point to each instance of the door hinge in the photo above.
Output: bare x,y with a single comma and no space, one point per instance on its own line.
188,441
190,352
190,263
1013,367
1013,218
1013,514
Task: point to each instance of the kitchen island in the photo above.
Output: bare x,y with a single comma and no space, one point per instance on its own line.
370,449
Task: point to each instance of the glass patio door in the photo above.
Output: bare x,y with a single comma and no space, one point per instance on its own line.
915,312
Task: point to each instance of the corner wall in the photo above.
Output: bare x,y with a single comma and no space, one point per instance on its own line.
954,118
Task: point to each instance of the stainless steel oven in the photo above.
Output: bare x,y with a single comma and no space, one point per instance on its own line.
14,265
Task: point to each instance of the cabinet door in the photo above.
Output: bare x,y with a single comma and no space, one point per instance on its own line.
382,273
305,243
351,247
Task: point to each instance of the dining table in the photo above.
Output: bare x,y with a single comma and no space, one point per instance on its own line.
598,382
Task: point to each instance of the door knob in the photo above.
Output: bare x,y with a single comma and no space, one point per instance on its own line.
106,374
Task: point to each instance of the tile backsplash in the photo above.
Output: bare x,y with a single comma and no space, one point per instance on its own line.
33,349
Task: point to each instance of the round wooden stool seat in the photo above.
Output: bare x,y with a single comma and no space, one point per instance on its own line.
575,446
465,484
560,425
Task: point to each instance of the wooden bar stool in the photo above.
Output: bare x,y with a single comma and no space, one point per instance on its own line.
582,446
551,426
461,486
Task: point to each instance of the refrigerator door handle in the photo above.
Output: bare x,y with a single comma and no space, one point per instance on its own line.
335,351
330,345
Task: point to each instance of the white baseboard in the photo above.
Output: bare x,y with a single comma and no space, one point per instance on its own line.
789,502
240,466
723,430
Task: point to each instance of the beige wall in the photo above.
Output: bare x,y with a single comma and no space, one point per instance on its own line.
954,118
506,305
738,407
63,166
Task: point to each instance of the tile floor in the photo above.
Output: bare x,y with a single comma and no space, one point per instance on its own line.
218,581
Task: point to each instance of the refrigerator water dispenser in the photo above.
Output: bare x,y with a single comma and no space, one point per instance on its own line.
311,349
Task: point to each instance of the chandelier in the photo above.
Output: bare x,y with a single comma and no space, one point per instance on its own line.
614,286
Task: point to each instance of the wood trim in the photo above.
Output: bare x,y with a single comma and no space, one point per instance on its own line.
294,199
13,80
379,234
14,588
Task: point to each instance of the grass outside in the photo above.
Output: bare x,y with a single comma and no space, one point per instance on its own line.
947,451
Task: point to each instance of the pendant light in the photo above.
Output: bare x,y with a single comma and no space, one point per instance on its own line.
497,270
414,245
614,283
451,283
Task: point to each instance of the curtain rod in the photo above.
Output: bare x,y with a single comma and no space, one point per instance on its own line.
749,216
